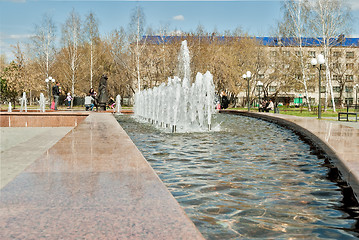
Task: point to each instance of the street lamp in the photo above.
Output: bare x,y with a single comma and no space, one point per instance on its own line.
259,85
356,86
248,77
315,61
48,81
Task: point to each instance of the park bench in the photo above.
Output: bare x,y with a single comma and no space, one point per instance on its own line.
345,116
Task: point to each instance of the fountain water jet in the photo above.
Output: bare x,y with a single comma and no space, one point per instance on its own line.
9,108
23,102
42,102
180,105
118,104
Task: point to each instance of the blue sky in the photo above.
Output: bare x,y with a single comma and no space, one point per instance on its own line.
19,17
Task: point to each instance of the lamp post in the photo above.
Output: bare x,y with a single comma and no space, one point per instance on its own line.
356,86
259,85
48,81
315,61
248,77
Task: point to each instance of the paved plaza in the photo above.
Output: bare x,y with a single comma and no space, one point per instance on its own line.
91,181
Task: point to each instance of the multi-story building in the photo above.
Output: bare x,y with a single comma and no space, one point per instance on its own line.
288,64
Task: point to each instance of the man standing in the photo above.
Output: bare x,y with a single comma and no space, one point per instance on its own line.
56,93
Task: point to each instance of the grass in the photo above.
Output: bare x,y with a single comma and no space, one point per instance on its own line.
301,112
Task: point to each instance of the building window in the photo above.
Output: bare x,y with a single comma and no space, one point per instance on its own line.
336,89
350,54
337,54
261,76
312,77
311,54
322,89
349,78
286,53
274,53
311,89
350,65
337,65
337,77
272,88
348,89
298,53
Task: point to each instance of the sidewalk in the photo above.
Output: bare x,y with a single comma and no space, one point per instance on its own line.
92,184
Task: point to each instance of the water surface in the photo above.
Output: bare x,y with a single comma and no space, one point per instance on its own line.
250,180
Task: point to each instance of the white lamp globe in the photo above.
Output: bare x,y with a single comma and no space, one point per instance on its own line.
321,59
244,76
249,74
313,61
47,80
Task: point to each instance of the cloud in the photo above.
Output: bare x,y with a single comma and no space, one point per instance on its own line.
15,36
354,4
178,18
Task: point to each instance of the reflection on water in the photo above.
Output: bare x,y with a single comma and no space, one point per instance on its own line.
252,179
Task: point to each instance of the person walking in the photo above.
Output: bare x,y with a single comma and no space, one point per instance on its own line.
56,90
68,100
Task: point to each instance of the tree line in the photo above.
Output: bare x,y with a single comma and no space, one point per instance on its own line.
132,60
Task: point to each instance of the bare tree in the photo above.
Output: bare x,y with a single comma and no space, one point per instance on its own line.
92,34
43,44
136,32
294,25
71,37
330,19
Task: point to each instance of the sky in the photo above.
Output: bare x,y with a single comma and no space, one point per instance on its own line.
256,17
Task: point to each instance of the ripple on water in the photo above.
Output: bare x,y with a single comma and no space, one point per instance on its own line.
251,180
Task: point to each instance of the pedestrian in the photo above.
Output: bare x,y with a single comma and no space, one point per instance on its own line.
56,91
224,100
68,100
89,102
270,106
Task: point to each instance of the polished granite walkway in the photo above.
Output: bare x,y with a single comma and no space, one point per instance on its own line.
92,184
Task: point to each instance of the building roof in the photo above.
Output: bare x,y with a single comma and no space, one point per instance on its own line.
341,41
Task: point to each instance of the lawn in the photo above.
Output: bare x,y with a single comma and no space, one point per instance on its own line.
302,112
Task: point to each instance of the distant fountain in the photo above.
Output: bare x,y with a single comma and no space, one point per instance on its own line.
9,108
118,104
42,102
179,105
23,102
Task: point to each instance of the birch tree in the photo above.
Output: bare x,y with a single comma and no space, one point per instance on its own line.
294,25
137,30
92,34
330,19
71,37
43,45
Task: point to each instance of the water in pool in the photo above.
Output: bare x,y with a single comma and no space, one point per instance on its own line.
250,180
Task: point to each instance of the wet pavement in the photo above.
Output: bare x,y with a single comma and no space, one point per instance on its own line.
92,184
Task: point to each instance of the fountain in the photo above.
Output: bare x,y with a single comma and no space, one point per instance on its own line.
23,102
118,104
9,108
250,180
180,105
42,102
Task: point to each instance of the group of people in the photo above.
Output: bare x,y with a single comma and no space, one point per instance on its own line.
92,101
56,91
266,106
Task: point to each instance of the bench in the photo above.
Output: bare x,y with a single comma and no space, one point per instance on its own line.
346,116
